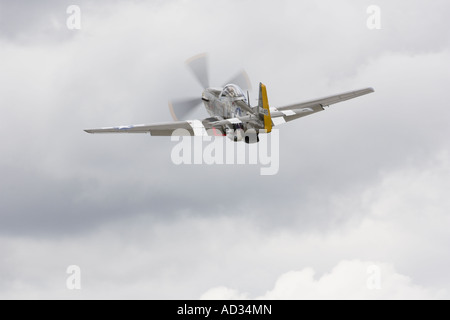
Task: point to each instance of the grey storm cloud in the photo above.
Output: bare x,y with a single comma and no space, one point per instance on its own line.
116,204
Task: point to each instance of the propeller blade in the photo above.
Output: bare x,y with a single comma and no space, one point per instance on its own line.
181,108
242,80
199,67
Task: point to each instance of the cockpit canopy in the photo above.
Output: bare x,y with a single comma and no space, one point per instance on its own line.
233,91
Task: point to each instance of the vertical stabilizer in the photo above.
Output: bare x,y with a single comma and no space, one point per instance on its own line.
263,105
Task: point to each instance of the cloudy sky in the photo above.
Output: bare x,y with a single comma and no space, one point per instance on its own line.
362,188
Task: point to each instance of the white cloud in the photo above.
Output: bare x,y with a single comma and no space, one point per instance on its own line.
347,280
399,224
223,293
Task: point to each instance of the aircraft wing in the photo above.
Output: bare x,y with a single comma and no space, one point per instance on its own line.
190,127
285,114
215,127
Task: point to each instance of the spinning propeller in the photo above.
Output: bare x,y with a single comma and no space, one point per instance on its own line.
198,65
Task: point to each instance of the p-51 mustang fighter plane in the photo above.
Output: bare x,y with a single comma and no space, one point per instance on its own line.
230,111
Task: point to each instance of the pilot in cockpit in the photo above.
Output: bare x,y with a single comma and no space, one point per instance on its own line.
233,91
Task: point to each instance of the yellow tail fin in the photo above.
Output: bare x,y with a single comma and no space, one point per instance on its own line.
264,104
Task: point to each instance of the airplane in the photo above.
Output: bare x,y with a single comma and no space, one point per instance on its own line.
230,111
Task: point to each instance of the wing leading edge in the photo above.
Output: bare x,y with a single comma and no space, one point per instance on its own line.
285,114
179,128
